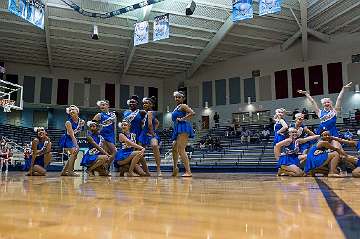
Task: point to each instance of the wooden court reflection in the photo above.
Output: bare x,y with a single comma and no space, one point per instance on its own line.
205,206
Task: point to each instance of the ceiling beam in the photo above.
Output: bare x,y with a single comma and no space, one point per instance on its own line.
131,52
304,26
323,6
47,35
255,38
344,24
225,28
339,14
289,42
319,35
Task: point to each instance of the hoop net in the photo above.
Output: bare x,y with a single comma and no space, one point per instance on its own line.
7,104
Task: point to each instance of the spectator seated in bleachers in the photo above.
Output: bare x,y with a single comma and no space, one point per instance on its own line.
217,144
245,136
265,134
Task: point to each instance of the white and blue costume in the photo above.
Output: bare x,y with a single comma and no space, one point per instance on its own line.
145,137
136,120
107,121
328,122
125,151
39,160
181,127
301,134
92,154
66,141
289,156
278,137
316,157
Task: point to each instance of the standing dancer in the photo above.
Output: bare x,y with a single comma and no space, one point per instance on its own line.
148,134
130,153
107,120
280,126
136,119
134,116
182,132
4,155
96,156
68,141
328,114
324,154
41,153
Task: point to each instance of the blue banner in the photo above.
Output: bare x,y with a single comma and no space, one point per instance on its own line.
269,6
32,11
242,9
161,27
141,33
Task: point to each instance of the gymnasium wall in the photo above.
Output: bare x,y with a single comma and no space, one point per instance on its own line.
41,88
78,92
263,90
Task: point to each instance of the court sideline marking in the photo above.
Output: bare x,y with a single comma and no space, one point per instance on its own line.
347,219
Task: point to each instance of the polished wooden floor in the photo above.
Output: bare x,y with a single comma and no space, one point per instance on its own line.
205,206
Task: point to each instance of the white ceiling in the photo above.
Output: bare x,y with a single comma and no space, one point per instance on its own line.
204,38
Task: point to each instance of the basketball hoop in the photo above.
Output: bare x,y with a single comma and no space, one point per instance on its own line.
7,104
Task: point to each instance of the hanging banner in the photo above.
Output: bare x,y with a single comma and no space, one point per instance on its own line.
141,33
161,27
242,9
32,11
269,6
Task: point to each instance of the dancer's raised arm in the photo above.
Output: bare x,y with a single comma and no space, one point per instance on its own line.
341,96
313,102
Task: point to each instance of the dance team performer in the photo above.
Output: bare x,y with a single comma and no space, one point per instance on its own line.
96,157
182,132
130,152
68,141
148,135
40,153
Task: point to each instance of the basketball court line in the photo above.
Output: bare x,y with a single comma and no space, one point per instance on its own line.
347,219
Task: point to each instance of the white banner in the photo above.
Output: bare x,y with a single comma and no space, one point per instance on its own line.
141,33
161,27
32,11
269,6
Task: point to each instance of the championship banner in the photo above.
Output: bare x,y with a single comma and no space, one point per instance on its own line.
141,33
242,9
269,6
32,11
161,27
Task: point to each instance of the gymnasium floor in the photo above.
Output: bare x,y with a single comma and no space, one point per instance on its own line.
205,206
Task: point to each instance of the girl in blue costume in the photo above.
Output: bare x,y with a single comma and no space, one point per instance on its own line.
148,134
40,153
352,159
324,155
182,132
328,114
68,141
107,121
287,154
27,157
136,118
96,157
130,153
280,126
302,132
